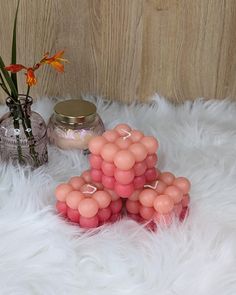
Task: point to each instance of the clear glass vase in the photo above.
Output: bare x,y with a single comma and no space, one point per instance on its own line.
23,137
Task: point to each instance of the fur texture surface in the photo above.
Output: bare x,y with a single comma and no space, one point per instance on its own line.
42,255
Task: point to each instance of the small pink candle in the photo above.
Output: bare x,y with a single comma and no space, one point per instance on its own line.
161,201
86,204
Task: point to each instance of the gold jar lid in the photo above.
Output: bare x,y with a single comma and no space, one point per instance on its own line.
75,111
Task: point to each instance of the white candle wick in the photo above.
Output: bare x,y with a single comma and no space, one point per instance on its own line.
126,132
150,186
92,191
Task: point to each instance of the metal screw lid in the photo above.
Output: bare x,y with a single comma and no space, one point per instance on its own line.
75,111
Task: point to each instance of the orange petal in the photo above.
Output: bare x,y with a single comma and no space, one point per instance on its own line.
53,58
30,77
57,66
58,54
15,68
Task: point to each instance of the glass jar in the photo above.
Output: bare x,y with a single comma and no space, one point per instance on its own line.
23,137
73,124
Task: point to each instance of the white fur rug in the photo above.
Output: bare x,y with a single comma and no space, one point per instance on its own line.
40,254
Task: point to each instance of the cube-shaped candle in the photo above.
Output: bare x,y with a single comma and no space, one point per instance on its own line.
160,200
87,203
123,159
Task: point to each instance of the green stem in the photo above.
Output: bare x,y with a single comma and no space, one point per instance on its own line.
27,93
29,134
3,85
17,126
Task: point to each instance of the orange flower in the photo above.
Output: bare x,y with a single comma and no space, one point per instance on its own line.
30,77
15,68
55,60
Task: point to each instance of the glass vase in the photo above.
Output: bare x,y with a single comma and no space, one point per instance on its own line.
23,134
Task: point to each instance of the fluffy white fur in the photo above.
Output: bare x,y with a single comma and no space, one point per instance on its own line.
41,254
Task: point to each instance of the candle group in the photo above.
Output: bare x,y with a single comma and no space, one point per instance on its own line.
123,171
123,159
87,203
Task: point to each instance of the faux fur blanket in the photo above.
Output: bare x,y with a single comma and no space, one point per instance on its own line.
40,254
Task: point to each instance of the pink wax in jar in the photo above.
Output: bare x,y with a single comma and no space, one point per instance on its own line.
73,124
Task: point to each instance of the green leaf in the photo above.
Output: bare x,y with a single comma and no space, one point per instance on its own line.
13,51
8,79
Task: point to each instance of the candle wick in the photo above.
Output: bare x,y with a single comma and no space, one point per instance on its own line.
126,132
92,191
150,186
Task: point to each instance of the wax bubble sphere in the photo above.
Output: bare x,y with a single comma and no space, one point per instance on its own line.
140,168
123,143
109,152
147,197
146,213
124,160
103,198
95,161
88,207
163,204
132,206
139,151
73,215
183,184
96,175
77,182
167,177
150,143
124,177
96,144
108,168
73,199
62,190
111,135
104,214
136,135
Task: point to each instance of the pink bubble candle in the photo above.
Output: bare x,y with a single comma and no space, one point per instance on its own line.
123,159
86,203
161,200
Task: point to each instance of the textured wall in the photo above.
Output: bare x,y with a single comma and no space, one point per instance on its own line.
126,49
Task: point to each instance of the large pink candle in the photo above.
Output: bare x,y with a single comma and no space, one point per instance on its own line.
125,157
